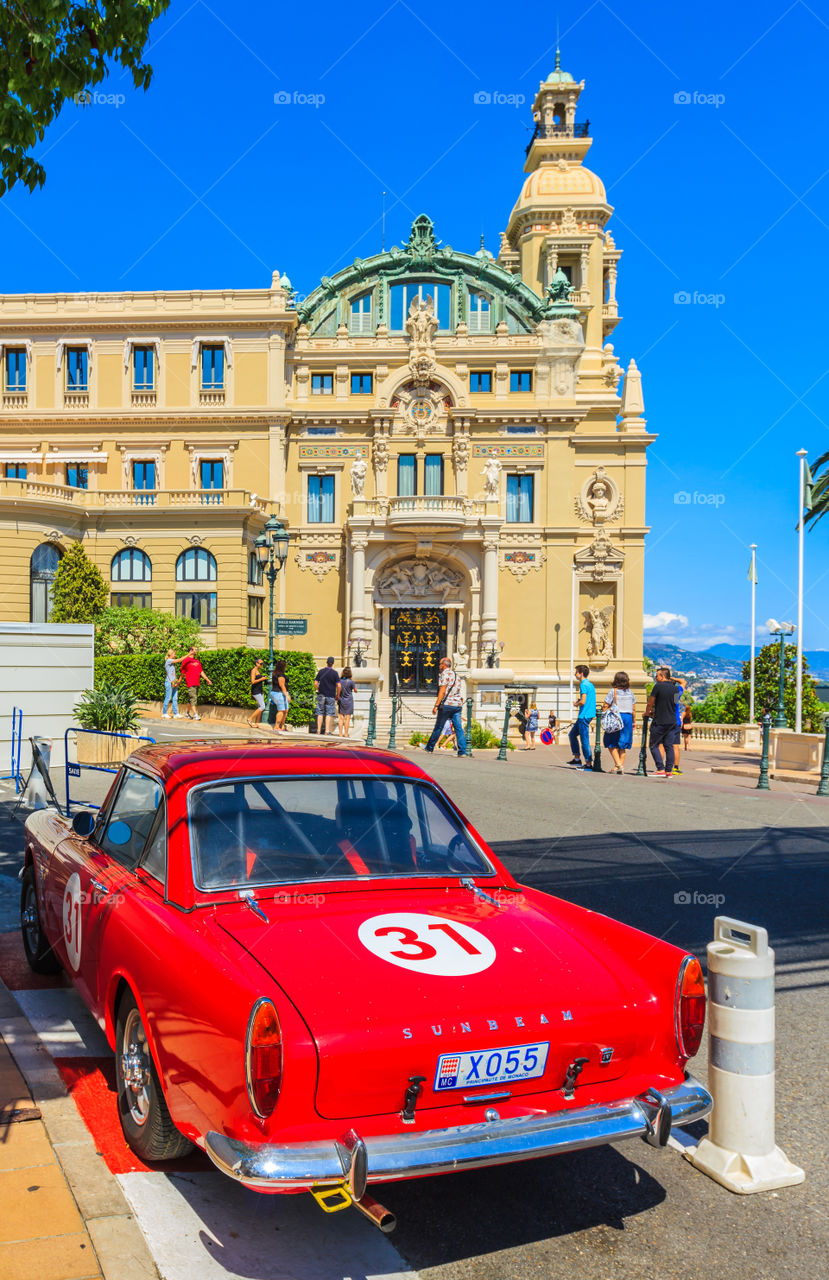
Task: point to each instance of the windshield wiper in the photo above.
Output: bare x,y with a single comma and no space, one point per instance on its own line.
469,883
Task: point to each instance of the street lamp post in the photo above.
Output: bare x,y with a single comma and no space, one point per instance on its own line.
271,553
781,629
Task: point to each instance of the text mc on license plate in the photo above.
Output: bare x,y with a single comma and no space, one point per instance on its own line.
491,1066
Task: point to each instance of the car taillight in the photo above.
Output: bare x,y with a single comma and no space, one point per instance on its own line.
263,1058
690,1007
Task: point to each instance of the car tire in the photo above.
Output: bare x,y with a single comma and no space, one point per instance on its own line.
39,954
145,1120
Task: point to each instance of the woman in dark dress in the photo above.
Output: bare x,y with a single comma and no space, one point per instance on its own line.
345,701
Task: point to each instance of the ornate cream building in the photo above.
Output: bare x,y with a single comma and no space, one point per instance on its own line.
444,434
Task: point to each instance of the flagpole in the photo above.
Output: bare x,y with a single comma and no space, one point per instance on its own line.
753,626
798,720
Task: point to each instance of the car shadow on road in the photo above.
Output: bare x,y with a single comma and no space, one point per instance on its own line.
673,883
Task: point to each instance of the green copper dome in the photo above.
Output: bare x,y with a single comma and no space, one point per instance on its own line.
558,76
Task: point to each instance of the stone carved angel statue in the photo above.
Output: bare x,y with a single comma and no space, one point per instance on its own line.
492,477
359,470
421,322
597,625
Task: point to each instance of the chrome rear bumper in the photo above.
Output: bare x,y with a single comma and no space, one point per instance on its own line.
295,1167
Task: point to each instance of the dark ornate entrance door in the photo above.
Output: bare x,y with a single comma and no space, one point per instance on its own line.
418,642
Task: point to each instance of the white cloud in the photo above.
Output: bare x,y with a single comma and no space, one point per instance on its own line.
659,621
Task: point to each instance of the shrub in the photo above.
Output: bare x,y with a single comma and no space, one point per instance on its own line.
111,706
418,738
143,631
79,593
229,669
482,738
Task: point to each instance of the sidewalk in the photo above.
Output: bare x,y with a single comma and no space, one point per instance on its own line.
64,1214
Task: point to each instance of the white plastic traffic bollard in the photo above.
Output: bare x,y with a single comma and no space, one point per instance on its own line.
739,1151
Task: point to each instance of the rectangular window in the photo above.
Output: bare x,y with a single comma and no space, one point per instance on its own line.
521,431
256,572
16,369
521,380
143,369
320,499
480,380
255,612
480,310
77,369
361,384
143,479
200,605
77,475
322,384
433,475
407,475
212,473
212,368
519,499
361,314
131,600
322,431
401,297
131,817
16,470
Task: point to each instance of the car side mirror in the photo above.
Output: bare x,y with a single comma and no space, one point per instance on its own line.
83,823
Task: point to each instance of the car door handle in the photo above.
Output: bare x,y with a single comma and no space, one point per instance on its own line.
100,887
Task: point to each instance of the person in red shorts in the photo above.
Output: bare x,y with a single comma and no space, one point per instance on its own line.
193,672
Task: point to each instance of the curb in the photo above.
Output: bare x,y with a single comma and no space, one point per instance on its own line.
122,1251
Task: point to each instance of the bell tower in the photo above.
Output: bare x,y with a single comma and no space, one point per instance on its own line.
558,222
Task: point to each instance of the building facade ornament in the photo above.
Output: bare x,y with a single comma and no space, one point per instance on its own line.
460,452
521,560
597,624
601,561
600,500
359,471
492,478
380,453
419,580
319,561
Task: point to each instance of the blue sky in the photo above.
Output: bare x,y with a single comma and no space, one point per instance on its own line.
706,122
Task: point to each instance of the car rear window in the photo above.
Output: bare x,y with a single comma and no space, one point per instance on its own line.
280,830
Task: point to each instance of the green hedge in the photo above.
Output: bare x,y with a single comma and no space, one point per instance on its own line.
229,669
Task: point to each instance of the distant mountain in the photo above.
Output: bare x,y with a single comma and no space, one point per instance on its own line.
703,666
818,659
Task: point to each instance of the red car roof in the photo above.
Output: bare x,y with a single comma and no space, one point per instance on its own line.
207,759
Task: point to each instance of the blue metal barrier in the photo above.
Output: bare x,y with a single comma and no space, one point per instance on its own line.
17,734
73,769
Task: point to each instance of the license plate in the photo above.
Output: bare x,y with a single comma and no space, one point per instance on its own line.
491,1066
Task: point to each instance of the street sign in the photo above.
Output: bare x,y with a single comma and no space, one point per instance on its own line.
290,626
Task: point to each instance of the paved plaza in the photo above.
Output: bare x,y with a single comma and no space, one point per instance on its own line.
664,857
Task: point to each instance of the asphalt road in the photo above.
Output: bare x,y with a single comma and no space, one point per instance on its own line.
637,849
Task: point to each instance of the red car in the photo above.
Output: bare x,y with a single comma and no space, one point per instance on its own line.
311,966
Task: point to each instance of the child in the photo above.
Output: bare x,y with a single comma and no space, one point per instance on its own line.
532,728
552,721
447,737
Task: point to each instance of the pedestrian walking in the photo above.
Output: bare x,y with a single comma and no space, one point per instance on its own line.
521,721
448,707
662,710
618,720
531,729
579,734
678,710
280,696
193,674
326,683
172,680
552,721
687,728
257,680
345,701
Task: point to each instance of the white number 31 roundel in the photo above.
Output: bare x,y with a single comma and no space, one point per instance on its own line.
427,944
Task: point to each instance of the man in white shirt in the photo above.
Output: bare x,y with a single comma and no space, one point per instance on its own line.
448,706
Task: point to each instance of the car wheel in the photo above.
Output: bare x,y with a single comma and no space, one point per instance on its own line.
145,1119
39,954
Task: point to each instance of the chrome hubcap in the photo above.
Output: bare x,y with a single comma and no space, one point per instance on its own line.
135,1067
29,920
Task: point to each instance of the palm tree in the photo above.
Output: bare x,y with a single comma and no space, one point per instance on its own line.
817,493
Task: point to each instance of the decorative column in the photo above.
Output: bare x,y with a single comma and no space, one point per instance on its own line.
489,604
357,620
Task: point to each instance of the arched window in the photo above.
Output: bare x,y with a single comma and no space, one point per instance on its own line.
42,569
480,310
196,565
131,565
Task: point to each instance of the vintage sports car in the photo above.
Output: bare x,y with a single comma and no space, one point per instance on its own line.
310,965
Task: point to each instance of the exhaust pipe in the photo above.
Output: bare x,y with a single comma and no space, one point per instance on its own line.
376,1213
